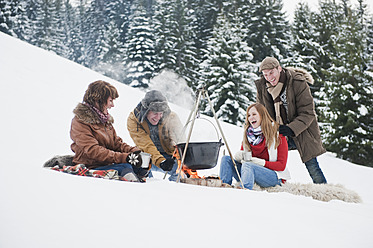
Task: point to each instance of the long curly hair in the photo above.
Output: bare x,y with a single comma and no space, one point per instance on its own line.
268,125
98,92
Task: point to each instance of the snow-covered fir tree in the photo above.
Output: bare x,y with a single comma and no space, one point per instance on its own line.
304,49
79,34
94,28
326,23
349,88
268,30
228,72
164,38
205,13
65,17
175,48
369,48
113,54
13,18
140,49
45,25
303,40
119,11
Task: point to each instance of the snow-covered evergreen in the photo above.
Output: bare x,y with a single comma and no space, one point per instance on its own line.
140,49
268,30
227,72
350,92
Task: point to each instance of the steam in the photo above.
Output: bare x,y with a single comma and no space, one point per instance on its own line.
174,88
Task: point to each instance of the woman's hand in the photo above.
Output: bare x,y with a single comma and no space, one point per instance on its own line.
258,161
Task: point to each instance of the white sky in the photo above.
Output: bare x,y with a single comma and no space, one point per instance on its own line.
290,5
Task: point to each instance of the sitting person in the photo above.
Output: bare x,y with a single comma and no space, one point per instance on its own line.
95,142
263,156
155,129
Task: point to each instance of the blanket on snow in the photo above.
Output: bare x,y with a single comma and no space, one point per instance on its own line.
321,192
65,164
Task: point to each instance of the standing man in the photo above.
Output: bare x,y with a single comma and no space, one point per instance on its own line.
287,97
155,129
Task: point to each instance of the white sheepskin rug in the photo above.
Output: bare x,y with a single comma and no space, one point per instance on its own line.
321,192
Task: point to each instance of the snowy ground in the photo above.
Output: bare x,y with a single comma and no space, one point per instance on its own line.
43,208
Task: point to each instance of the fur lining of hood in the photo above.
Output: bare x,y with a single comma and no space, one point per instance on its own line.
300,72
141,112
86,115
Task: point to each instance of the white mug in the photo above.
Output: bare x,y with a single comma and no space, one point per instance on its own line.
145,159
247,156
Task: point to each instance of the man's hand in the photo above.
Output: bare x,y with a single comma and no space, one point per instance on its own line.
167,164
285,130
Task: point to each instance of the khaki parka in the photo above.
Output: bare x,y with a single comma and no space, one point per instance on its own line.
170,130
94,143
301,111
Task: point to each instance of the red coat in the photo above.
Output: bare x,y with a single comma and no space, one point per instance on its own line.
261,151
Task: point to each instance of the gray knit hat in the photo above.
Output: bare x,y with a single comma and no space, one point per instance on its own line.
268,63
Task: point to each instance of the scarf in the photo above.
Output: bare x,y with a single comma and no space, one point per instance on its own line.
101,116
275,92
254,135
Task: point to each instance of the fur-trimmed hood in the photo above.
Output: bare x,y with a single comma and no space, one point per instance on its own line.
300,72
87,115
154,101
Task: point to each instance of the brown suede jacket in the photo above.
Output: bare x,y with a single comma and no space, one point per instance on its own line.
94,143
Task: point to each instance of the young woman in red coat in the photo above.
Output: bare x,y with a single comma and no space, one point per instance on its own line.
263,155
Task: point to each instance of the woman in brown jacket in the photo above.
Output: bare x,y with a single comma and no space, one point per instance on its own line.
95,142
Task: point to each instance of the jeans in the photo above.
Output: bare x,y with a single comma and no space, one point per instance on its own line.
312,166
250,173
172,173
125,168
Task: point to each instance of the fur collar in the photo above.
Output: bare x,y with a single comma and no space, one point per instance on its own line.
85,114
300,72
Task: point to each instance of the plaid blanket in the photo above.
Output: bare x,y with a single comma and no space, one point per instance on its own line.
81,170
64,164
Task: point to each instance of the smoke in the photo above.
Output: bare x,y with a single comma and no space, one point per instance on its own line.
174,88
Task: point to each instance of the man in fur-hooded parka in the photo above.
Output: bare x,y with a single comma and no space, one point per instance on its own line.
169,126
95,143
300,115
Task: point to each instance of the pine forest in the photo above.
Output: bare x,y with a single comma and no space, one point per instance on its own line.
218,45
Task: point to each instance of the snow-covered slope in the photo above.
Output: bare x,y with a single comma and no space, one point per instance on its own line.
43,208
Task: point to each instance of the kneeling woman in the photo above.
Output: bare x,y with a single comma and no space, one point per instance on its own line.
263,156
95,142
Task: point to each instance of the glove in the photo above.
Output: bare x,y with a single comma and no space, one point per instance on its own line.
258,161
167,164
242,156
285,130
134,158
239,156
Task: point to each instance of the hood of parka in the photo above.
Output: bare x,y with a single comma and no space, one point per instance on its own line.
87,115
300,72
